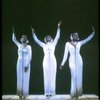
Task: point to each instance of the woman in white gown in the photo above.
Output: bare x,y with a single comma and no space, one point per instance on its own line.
75,62
49,61
23,65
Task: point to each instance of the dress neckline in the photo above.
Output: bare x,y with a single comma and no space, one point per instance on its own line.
73,43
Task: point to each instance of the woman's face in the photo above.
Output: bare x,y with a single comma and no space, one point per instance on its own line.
48,39
75,36
23,40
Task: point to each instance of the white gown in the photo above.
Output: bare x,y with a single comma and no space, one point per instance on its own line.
24,59
75,64
49,64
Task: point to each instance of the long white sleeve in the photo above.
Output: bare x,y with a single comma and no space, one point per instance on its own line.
65,55
87,39
29,54
57,36
15,40
37,40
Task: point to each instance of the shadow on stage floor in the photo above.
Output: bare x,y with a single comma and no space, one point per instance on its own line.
56,97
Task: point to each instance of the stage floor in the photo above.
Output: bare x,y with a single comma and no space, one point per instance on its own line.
56,97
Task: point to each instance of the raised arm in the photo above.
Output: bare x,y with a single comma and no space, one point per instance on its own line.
57,34
36,39
65,56
88,38
14,39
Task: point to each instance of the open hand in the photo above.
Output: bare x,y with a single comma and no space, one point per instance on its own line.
93,29
13,29
59,23
32,29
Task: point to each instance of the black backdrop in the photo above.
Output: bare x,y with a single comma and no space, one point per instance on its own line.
76,16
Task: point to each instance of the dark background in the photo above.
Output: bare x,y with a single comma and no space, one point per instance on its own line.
76,16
